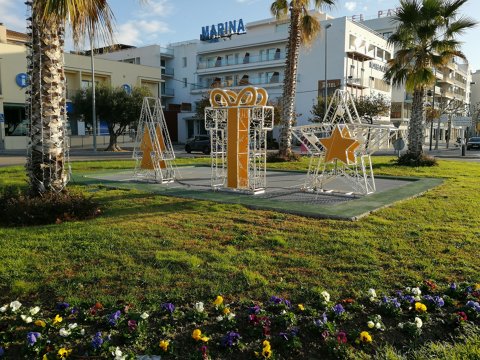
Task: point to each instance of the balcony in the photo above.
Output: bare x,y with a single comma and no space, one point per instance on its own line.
167,71
275,80
222,62
166,52
168,92
357,83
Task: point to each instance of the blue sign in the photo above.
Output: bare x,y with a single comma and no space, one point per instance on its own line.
103,128
228,28
127,88
69,107
22,80
2,118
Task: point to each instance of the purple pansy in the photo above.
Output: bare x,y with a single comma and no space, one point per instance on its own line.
230,339
169,307
62,306
32,338
338,309
97,340
322,321
113,318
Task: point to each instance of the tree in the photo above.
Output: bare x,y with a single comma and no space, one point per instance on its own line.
46,162
114,106
303,29
424,40
367,107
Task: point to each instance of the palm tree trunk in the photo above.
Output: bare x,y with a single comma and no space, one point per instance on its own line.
290,83
416,126
46,106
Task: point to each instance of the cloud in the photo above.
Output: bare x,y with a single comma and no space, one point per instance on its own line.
138,31
162,8
351,5
9,18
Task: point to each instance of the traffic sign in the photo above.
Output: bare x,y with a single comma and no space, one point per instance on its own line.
462,121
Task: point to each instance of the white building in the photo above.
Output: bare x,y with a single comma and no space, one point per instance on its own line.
452,88
356,58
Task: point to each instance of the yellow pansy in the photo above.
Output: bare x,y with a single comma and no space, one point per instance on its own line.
365,337
57,320
301,307
164,345
204,338
476,287
226,311
63,353
40,323
45,357
197,334
420,307
218,301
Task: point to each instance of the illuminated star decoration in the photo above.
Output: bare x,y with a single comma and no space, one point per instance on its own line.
340,146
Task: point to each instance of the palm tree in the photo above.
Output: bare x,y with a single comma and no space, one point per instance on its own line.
46,164
425,39
303,29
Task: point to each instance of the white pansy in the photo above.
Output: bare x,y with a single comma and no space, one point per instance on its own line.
72,326
144,316
407,289
34,310
82,332
3,308
64,332
283,312
199,307
371,324
118,354
230,316
378,325
15,305
418,322
326,296
417,298
27,319
372,293
416,291
219,318
400,325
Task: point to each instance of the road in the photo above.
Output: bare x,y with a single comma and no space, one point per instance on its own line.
11,157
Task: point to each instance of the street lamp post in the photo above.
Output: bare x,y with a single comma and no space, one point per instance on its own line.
94,115
327,26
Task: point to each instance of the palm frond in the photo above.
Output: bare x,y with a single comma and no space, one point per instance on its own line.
310,27
279,8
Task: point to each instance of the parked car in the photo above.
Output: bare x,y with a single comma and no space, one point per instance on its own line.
473,142
198,143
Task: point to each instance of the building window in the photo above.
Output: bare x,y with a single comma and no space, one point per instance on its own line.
218,62
184,61
185,82
246,58
244,80
135,60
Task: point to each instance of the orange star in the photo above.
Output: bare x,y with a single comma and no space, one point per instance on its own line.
339,146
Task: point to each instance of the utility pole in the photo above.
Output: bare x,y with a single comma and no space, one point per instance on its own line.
94,110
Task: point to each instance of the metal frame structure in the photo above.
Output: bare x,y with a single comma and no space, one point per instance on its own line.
153,151
238,125
358,174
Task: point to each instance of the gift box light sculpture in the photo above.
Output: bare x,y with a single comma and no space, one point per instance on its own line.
238,125
340,147
153,151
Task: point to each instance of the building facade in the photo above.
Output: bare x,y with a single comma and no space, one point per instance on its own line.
78,74
450,95
355,55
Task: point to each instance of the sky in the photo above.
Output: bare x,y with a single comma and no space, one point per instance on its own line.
165,21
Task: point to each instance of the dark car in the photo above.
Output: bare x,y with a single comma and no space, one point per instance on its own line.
473,142
198,143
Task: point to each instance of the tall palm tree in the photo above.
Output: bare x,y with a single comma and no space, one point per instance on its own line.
425,39
303,29
46,164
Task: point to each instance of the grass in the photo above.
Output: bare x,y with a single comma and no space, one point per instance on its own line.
148,248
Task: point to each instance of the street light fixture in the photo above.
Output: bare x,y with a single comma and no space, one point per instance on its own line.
327,26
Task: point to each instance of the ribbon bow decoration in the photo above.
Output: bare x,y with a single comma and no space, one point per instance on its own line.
249,96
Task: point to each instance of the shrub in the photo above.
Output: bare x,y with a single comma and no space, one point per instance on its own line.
274,157
411,160
20,209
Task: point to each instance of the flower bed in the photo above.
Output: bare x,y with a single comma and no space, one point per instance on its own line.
273,329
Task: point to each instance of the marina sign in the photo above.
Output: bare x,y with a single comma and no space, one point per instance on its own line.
226,29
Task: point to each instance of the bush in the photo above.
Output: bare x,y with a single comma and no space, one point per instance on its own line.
411,160
276,157
20,209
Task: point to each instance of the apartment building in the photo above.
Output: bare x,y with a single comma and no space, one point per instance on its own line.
355,55
78,74
451,90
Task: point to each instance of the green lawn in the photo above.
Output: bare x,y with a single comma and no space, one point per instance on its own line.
149,248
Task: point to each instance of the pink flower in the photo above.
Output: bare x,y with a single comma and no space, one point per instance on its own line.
132,325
